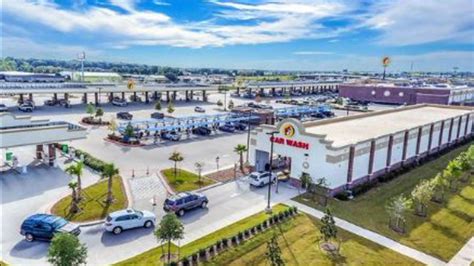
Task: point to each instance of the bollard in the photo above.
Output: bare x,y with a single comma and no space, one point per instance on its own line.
133,173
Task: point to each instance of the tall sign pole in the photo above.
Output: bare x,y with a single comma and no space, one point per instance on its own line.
385,63
81,57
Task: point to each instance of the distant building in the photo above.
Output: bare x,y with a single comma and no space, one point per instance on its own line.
93,76
400,94
18,76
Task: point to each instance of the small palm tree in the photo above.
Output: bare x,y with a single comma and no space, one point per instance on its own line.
99,113
170,108
158,105
199,166
176,157
113,125
73,186
110,171
240,149
77,170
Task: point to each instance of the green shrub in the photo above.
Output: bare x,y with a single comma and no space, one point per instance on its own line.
90,161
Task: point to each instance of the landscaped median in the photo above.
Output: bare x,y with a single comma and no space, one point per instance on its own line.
182,180
93,205
442,233
245,243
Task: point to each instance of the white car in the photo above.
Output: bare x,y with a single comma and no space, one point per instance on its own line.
119,102
118,221
26,107
3,108
260,179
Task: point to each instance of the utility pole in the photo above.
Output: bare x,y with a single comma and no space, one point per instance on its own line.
248,134
81,57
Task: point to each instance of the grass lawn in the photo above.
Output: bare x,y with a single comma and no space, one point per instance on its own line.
185,181
93,206
298,239
2,263
442,233
152,257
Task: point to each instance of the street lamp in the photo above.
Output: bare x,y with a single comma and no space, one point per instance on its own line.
248,134
272,134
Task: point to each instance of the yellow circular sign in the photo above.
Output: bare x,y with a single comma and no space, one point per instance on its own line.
131,84
288,130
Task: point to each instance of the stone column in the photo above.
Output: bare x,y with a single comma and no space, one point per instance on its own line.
467,125
389,151
418,140
21,100
147,99
30,96
55,96
204,96
187,95
134,96
52,154
96,96
155,95
405,146
430,138
459,128
66,96
111,97
440,140
450,132
39,151
123,95
174,95
371,157
168,96
84,99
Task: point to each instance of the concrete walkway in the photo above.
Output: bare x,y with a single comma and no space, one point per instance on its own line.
465,256
379,239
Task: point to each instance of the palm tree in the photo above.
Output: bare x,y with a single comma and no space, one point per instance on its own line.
240,149
199,166
77,170
176,157
109,171
74,208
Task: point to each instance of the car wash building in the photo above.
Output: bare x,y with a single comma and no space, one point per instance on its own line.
350,150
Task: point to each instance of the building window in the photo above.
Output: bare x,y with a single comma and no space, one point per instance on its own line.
386,93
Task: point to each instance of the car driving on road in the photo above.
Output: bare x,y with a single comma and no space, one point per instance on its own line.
185,201
199,109
119,102
44,226
118,221
124,115
260,179
26,107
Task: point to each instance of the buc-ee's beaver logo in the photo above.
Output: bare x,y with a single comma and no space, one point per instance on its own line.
288,130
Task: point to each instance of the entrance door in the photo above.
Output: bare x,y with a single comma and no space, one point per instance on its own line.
261,159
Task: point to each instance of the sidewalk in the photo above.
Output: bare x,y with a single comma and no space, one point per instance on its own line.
379,239
465,256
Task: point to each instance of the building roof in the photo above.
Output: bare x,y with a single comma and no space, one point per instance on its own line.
353,129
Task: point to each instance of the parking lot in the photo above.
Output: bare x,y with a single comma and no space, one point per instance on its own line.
23,195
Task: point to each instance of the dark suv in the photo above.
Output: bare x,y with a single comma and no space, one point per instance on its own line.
184,201
44,226
203,131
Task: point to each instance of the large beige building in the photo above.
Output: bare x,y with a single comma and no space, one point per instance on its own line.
354,149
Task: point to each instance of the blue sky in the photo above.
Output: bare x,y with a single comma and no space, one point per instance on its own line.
431,35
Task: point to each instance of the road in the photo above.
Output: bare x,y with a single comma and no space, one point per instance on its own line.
228,203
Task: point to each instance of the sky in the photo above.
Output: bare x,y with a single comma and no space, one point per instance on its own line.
308,35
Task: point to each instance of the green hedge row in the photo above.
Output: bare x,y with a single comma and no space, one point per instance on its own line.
91,161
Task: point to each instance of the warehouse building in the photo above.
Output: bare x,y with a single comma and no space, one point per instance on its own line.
398,94
350,150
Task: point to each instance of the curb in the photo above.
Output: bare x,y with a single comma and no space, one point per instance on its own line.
92,223
217,184
123,144
169,190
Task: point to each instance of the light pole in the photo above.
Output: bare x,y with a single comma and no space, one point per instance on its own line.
217,162
248,135
272,134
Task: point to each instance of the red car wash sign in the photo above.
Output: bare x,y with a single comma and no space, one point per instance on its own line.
289,131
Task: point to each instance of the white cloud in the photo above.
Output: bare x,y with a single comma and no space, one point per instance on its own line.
26,48
312,53
161,3
408,22
278,21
